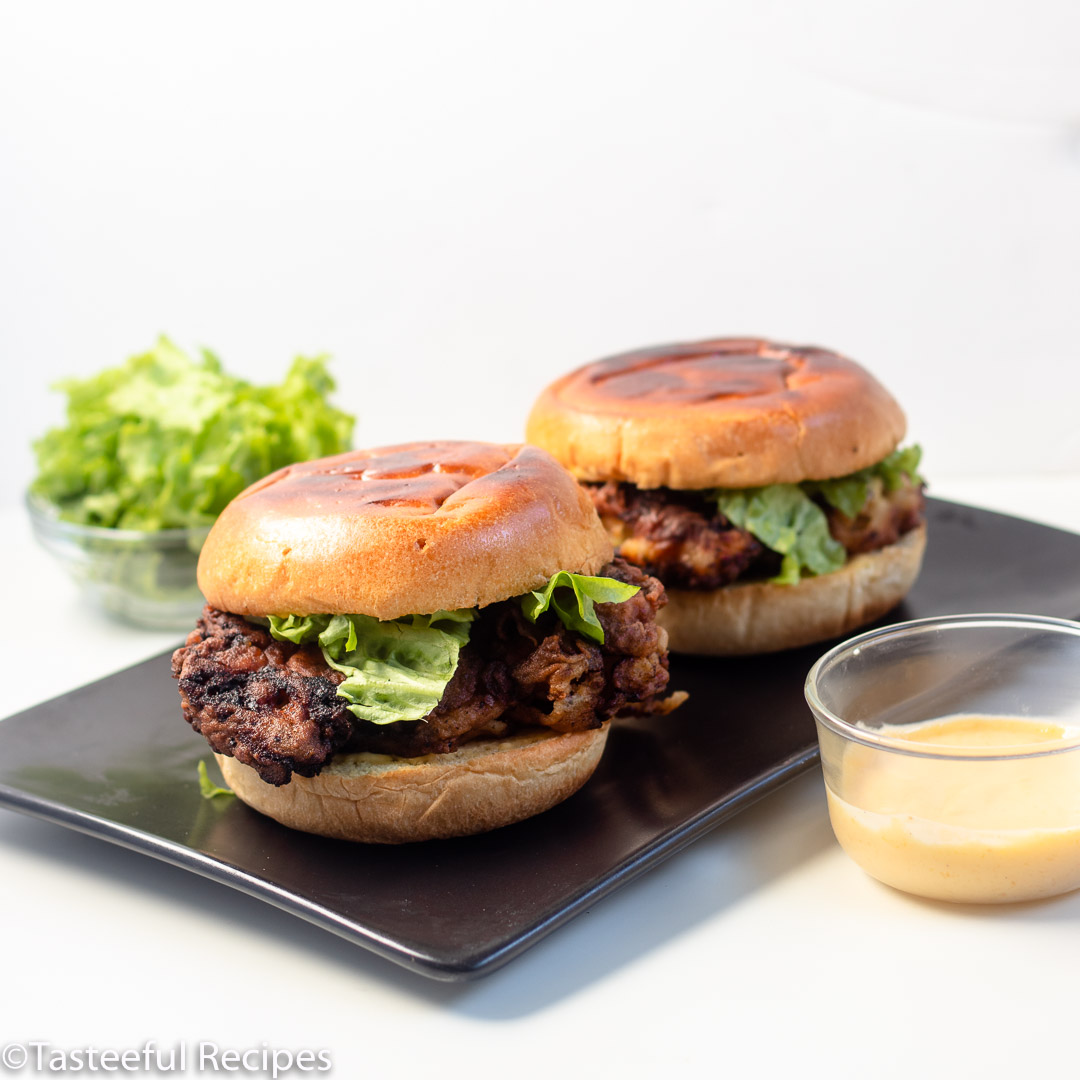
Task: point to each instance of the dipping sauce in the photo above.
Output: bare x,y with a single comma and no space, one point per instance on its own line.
971,827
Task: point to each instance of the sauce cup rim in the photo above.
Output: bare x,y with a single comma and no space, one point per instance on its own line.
872,738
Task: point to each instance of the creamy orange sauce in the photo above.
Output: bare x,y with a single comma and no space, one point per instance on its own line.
965,829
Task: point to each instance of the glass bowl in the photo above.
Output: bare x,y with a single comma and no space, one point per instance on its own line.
951,753
145,578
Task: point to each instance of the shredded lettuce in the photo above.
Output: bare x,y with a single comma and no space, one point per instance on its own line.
395,670
785,518
165,441
207,788
573,598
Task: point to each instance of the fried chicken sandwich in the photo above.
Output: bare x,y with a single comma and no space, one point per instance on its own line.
763,484
418,641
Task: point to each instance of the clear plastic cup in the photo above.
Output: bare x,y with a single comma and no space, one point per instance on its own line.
951,753
145,578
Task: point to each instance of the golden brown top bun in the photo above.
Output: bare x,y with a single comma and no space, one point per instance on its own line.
733,412
401,530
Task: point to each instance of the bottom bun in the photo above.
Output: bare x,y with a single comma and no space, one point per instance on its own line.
375,799
759,617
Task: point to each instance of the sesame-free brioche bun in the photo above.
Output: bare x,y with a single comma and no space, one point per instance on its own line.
401,530
731,412
760,617
375,799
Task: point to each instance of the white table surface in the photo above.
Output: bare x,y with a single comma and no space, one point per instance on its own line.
758,951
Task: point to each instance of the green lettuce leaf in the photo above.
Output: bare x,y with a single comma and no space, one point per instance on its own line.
299,629
848,494
398,669
165,441
785,519
573,598
207,788
394,670
900,464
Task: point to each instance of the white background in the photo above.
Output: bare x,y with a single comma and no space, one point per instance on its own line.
460,201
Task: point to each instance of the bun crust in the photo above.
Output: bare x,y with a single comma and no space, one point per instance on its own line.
401,530
758,617
375,799
732,412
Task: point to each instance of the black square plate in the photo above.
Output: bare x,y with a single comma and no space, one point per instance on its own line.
116,760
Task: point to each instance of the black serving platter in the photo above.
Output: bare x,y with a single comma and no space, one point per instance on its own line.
116,760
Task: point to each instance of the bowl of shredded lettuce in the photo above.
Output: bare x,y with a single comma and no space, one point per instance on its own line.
151,453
